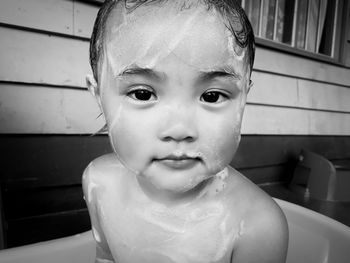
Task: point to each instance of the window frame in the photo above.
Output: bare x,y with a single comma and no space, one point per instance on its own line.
341,38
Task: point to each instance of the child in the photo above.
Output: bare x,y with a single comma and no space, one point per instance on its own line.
171,78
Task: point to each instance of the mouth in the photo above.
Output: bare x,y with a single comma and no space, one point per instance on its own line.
179,162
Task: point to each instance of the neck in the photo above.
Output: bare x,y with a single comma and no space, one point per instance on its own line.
171,198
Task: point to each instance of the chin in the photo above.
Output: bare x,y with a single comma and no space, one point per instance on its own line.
182,182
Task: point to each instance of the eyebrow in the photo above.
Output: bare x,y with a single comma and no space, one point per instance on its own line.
135,70
204,76
219,73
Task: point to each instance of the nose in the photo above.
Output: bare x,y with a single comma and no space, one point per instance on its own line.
178,132
179,125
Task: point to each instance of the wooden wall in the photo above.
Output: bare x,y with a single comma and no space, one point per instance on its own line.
47,116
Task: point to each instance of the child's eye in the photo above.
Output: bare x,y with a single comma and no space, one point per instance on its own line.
213,97
142,94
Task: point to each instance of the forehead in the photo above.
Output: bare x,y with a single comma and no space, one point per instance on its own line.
187,29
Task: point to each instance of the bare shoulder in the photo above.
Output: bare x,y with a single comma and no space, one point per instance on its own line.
254,199
103,166
95,178
265,229
101,172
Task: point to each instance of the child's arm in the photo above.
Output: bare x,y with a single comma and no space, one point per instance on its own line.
103,254
265,240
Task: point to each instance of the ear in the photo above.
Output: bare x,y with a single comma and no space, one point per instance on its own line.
93,88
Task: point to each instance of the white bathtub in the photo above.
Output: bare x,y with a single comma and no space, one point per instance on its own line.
313,238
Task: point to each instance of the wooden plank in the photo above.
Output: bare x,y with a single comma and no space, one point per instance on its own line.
273,90
262,150
323,96
29,202
47,161
84,17
273,61
49,15
259,175
57,16
256,151
56,160
39,58
46,227
278,120
33,109
278,90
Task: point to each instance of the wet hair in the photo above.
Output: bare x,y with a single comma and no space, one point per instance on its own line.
232,12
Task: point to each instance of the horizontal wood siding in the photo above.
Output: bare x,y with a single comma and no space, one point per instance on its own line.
53,53
47,116
41,188
277,62
46,227
50,110
41,58
285,120
35,161
288,91
68,17
43,109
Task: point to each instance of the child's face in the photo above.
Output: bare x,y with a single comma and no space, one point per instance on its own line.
173,86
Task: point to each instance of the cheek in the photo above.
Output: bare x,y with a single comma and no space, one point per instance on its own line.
123,139
131,138
222,145
221,140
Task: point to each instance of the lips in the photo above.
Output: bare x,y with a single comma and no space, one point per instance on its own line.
181,162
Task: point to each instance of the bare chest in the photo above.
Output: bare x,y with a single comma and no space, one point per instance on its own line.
155,233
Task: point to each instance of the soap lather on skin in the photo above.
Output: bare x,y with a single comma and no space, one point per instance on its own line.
172,83
161,40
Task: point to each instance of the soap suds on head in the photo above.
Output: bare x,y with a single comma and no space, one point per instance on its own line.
162,39
234,48
156,47
171,45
